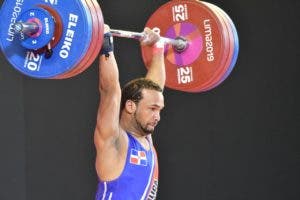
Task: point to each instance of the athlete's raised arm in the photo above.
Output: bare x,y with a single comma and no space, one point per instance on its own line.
156,70
107,127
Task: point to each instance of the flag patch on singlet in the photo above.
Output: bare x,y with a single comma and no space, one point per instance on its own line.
138,157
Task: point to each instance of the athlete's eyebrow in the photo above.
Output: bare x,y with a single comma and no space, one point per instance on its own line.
158,106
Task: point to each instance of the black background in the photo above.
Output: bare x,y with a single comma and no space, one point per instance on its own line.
239,141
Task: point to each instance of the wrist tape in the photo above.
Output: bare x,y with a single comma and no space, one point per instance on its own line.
108,44
158,47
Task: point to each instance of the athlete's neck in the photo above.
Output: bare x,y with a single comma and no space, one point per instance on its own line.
127,124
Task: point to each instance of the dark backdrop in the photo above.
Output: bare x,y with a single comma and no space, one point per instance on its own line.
239,141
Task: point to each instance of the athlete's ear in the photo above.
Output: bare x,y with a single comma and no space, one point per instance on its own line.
130,106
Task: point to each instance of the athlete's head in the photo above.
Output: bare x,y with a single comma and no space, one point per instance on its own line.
143,100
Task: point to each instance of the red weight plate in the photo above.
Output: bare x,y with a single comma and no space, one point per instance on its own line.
233,33
233,51
227,60
199,25
96,10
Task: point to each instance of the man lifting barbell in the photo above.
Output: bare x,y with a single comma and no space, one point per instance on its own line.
126,161
198,51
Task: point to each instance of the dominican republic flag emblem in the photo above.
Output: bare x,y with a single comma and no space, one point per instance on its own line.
138,157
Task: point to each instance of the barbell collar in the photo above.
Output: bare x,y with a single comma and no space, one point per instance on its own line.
28,28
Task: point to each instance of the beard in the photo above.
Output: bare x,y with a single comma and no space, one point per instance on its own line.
145,129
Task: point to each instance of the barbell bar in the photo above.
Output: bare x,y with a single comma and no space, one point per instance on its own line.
30,28
178,43
197,42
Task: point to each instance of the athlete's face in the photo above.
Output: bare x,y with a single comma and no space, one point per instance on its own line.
147,114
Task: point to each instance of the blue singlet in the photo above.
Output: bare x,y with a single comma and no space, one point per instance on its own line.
139,179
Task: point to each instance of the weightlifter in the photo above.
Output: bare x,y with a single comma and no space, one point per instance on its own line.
126,161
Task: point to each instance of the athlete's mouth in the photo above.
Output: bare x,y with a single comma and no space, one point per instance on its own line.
153,124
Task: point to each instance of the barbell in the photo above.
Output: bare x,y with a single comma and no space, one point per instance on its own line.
57,40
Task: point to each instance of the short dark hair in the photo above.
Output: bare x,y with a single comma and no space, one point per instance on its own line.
133,90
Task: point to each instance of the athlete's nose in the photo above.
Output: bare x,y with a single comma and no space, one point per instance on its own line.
157,116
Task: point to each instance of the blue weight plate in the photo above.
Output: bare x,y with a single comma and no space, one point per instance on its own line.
45,31
98,28
70,49
94,48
